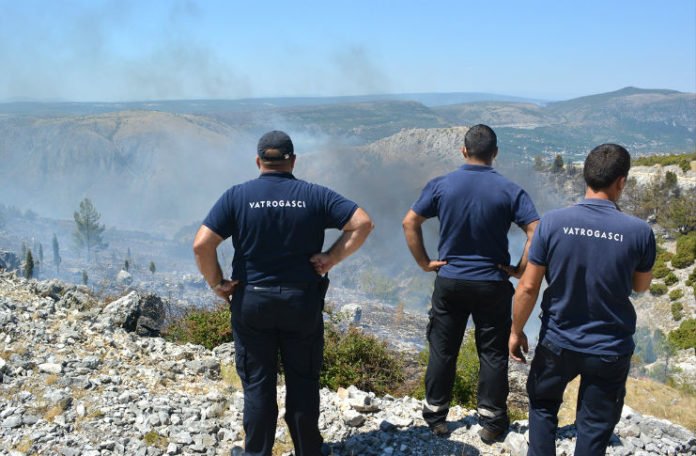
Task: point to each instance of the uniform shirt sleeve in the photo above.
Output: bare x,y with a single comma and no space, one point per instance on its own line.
338,209
523,209
649,252
539,248
426,204
220,219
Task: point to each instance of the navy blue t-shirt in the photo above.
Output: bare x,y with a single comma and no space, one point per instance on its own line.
475,206
590,252
277,223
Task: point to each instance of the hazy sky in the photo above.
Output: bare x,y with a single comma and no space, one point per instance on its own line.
135,50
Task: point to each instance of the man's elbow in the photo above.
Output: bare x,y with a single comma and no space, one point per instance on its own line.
641,281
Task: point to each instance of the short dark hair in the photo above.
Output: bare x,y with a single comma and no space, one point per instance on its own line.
481,142
604,164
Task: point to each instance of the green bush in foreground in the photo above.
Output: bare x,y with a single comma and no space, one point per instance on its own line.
661,270
677,308
355,358
465,388
670,279
681,261
207,327
658,289
676,294
685,336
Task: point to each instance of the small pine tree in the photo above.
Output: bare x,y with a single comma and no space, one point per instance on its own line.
56,253
153,269
538,163
557,166
88,232
29,265
24,249
399,314
126,265
85,278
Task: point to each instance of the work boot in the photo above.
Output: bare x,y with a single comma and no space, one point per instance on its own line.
489,437
440,429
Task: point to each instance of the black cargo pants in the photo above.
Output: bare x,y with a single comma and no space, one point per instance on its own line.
489,303
285,320
600,398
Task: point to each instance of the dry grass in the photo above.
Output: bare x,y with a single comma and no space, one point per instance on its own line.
51,379
153,439
645,396
229,376
53,412
24,445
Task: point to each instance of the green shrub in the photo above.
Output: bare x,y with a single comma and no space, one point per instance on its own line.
663,255
670,279
676,294
681,160
677,308
686,244
661,269
658,289
685,336
355,358
207,327
465,388
683,260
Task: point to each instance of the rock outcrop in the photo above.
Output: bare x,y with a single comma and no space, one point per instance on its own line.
77,379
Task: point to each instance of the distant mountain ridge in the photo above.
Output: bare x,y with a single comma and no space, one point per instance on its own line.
163,160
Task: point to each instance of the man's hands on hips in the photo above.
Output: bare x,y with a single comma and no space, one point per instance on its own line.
225,289
322,263
512,271
516,345
432,265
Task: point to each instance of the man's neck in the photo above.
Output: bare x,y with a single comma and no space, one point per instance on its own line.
477,162
600,194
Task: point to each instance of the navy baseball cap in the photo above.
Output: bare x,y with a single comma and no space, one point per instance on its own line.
278,141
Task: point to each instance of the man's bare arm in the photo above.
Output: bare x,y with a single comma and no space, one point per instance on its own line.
525,298
641,281
205,250
518,270
355,231
414,239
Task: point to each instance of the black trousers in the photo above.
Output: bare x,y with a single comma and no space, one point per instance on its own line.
489,303
272,321
600,398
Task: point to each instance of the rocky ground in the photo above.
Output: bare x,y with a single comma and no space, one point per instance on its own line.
76,378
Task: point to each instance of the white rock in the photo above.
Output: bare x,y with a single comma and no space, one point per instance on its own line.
353,418
51,368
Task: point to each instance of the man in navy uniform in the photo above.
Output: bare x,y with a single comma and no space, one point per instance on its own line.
592,256
277,225
475,206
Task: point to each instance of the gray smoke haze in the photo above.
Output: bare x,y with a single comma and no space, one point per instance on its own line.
91,56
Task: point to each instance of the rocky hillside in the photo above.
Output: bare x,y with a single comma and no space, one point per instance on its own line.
82,377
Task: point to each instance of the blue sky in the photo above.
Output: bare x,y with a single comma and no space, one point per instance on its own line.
137,50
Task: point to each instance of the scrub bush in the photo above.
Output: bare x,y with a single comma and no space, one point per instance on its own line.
681,261
685,336
677,308
352,357
658,289
676,294
207,327
670,279
686,251
661,270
